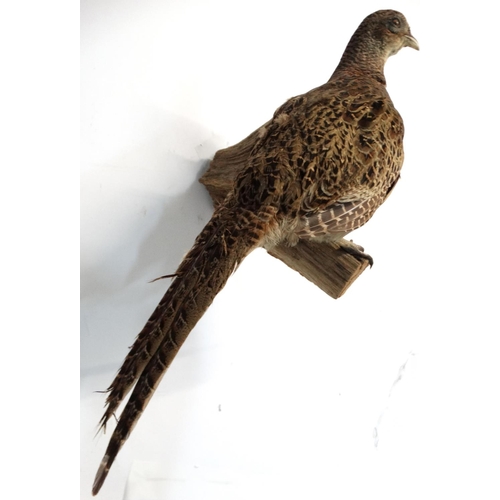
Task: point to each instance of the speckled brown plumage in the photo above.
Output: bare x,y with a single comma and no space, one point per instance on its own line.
321,167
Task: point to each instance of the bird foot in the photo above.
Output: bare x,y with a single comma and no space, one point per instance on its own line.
356,251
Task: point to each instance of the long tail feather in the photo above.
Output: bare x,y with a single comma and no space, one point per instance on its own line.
225,241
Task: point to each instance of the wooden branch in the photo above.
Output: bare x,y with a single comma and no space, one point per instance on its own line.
328,266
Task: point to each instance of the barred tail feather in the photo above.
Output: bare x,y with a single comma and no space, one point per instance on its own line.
226,240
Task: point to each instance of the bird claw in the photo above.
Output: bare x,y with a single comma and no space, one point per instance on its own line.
356,251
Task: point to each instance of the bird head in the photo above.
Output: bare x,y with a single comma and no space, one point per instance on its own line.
389,32
380,35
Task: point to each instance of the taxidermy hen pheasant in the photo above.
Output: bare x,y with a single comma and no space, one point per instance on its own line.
319,169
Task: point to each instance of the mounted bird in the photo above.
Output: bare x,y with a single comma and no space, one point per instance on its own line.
319,169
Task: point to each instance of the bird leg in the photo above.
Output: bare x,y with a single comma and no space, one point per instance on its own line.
356,251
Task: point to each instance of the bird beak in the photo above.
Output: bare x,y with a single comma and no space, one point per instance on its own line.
410,41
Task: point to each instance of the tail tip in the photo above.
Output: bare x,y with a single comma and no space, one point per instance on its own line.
100,477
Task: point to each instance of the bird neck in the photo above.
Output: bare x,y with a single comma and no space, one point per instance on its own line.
362,57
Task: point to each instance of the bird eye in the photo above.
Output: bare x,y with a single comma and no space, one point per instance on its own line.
396,22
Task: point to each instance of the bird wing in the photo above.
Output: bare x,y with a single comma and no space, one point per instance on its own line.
340,217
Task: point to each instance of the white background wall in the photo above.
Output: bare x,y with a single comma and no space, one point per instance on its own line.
279,389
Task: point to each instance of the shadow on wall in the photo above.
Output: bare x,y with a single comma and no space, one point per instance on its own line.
143,218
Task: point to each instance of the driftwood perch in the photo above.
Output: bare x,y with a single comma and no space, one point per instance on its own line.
328,266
